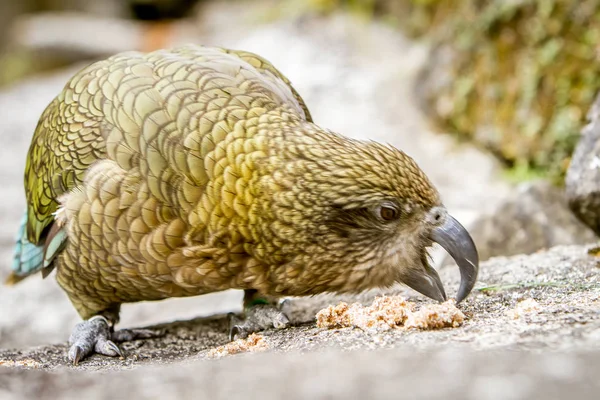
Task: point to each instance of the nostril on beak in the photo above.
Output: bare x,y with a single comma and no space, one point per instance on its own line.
437,215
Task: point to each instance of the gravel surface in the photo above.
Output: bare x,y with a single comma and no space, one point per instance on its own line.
532,332
383,374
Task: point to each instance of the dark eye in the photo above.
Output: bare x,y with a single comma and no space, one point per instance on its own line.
388,213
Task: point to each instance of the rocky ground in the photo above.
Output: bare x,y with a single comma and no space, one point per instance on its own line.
532,332
358,79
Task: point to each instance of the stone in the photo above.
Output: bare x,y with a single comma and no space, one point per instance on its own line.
514,90
534,216
583,175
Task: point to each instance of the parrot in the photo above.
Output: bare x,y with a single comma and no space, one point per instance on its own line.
196,169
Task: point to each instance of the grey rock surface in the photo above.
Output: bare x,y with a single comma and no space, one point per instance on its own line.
455,373
532,332
583,176
534,216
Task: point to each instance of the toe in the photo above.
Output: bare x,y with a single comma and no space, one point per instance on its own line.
281,321
267,316
108,348
76,353
236,327
127,335
240,331
258,318
285,305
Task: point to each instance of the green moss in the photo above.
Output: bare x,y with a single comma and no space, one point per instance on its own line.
535,66
415,16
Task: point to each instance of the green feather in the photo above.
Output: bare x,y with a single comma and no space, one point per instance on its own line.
30,258
54,245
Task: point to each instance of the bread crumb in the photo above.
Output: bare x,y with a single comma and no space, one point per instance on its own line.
524,307
390,312
28,363
436,316
253,343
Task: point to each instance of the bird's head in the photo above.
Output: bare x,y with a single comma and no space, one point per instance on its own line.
346,215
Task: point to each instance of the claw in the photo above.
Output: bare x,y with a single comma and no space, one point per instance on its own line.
75,354
237,330
112,347
234,328
281,321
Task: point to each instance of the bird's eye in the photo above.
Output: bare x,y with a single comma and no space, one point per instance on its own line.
388,213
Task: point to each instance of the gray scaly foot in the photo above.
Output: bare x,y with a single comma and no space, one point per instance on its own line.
258,317
95,336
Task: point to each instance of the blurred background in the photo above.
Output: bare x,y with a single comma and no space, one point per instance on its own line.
488,96
514,76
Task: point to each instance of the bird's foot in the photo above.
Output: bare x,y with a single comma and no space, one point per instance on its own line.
95,336
92,335
258,317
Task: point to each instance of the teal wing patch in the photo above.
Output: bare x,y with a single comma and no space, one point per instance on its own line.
30,258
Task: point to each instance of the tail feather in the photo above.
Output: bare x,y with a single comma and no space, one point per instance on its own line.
30,258
55,242
13,279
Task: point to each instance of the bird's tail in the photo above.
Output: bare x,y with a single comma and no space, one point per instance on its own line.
28,258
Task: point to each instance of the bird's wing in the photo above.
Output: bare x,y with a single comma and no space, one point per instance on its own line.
145,112
272,74
66,142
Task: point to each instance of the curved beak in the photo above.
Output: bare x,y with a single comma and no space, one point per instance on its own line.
455,239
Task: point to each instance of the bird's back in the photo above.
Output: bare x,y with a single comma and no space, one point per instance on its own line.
163,115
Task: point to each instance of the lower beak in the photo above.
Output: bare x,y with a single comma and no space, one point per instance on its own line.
455,239
428,283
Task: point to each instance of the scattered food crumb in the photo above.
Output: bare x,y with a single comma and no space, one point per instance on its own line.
252,343
391,312
436,316
28,363
524,307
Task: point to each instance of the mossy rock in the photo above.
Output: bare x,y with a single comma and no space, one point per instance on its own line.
519,77
416,17
515,76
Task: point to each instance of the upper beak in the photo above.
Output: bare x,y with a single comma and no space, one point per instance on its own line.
455,239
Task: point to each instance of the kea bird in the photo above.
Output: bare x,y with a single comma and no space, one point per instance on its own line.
195,170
